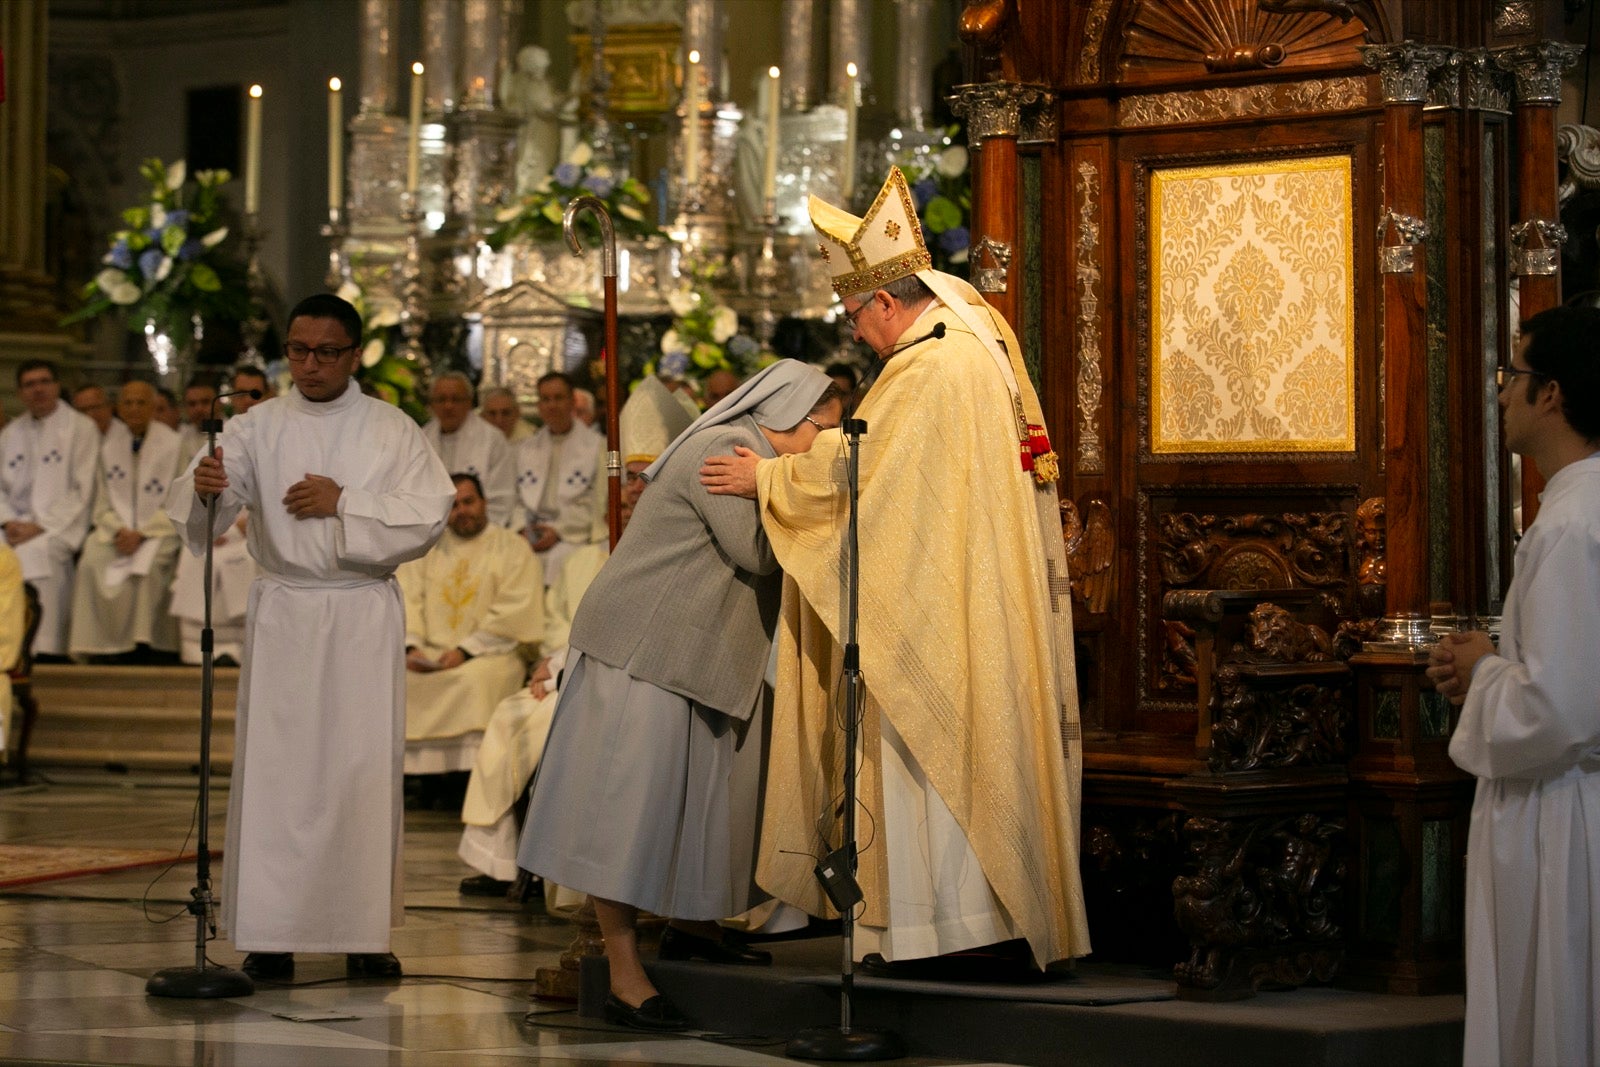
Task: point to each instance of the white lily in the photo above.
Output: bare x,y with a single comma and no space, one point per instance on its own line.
158,216
176,175
384,315
215,237
349,292
581,154
161,272
124,293
372,355
670,342
683,301
109,279
724,323
507,213
952,161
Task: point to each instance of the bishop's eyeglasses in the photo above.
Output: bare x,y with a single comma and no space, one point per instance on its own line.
298,353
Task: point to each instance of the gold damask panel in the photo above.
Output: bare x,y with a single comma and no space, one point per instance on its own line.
1252,338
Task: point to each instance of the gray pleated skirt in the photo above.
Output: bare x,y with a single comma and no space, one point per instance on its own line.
647,798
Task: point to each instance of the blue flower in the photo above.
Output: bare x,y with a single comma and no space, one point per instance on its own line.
150,262
954,239
675,363
191,250
741,345
599,186
924,191
568,173
178,217
121,258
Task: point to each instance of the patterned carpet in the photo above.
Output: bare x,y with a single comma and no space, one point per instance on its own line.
27,864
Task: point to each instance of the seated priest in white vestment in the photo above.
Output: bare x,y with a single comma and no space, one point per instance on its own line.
501,410
558,482
471,446
121,607
513,742
470,604
971,776
1530,726
48,458
342,490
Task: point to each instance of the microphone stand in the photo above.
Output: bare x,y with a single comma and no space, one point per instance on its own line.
201,981
846,1041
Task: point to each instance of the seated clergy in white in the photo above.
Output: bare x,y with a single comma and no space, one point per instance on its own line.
469,603
121,603
558,490
13,620
513,742
471,446
48,458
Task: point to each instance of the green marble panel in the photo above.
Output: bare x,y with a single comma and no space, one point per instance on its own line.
1435,715
1382,865
1032,272
1386,714
1437,895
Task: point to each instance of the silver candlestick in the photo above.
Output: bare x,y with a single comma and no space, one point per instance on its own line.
335,230
411,290
254,326
766,276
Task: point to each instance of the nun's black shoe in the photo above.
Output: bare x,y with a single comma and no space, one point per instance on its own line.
657,1013
677,944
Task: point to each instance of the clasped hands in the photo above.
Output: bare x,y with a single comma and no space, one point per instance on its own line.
314,496
1450,663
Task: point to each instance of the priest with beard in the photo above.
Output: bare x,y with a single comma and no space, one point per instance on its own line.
471,604
342,489
120,608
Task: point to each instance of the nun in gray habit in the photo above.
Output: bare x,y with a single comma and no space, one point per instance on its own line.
648,795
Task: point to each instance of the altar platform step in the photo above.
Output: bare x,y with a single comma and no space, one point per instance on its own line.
137,718
1103,1014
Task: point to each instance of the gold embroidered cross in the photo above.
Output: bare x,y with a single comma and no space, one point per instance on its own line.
1060,585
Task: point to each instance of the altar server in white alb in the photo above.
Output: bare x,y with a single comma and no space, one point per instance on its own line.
342,489
121,606
469,445
47,463
1530,726
558,478
513,741
471,603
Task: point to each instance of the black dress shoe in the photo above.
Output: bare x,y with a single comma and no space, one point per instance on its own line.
481,885
371,965
678,944
269,966
657,1013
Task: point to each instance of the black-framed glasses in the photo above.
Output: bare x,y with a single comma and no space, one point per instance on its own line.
1502,375
852,316
298,353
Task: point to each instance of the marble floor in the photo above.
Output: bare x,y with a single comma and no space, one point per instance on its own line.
75,954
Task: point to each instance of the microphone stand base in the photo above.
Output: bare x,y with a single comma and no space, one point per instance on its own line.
199,983
856,1044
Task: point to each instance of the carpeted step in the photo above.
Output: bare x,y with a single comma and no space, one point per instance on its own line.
143,718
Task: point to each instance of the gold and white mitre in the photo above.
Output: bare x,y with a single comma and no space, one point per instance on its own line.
881,247
651,418
885,245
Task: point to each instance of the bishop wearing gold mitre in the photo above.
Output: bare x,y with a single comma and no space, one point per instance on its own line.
970,741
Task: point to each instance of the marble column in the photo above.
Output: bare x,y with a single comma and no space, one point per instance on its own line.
441,55
482,49
913,83
1403,70
798,18
703,30
849,41
379,23
27,296
1537,235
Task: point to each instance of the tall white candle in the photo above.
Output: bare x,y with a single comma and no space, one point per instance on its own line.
252,151
691,121
769,175
848,178
335,145
414,142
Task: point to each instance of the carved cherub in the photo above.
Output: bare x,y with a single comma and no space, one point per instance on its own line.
1273,634
1091,544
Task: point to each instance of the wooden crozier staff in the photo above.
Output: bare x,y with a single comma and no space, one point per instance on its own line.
608,270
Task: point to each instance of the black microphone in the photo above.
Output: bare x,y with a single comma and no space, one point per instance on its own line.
932,335
214,424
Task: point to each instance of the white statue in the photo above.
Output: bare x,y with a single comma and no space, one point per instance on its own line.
531,98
